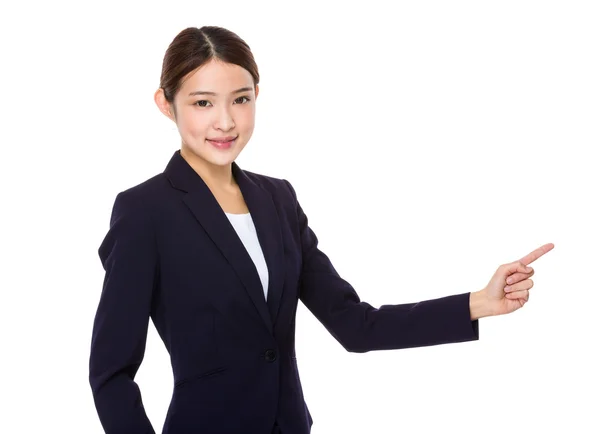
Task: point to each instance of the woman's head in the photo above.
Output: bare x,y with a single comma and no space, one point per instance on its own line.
208,87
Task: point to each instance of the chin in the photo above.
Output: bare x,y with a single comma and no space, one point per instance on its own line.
221,161
218,159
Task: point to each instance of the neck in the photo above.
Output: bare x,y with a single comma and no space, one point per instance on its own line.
215,177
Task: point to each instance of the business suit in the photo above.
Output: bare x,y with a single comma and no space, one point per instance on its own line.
171,254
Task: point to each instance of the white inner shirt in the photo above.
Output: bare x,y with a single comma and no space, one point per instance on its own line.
244,226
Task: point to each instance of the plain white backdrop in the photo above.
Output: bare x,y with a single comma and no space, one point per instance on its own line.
428,142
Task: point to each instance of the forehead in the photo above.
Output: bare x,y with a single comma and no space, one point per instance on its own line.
216,76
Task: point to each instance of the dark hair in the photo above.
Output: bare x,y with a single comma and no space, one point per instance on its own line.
193,47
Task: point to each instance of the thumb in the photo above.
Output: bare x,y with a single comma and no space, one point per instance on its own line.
516,267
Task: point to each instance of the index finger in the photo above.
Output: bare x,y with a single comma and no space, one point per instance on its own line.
529,258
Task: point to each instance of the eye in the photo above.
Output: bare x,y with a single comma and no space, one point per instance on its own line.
241,97
201,103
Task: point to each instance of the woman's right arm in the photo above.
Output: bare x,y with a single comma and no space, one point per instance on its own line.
129,257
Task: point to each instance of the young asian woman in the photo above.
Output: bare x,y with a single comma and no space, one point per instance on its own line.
218,257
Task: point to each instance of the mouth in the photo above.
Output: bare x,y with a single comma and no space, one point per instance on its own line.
222,142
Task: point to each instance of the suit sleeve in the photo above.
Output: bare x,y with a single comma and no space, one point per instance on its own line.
129,257
358,326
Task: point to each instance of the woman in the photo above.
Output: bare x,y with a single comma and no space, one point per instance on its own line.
218,257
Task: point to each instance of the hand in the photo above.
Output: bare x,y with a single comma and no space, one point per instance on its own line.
508,290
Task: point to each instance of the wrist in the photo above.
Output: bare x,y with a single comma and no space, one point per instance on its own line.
479,305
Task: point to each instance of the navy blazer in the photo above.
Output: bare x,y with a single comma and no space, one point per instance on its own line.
172,255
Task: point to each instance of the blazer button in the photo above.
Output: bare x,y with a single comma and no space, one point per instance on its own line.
270,355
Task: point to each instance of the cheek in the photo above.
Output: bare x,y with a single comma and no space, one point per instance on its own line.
190,124
246,121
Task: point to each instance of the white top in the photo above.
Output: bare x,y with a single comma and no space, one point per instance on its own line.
244,226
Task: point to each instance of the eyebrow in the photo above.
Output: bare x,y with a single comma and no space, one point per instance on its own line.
205,92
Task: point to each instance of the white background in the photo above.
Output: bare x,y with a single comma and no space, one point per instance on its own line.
429,142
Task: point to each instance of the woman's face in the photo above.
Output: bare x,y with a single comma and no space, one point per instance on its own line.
216,103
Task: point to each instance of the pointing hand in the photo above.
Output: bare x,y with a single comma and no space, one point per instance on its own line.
508,290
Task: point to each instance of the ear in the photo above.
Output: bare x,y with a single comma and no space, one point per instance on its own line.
163,105
256,91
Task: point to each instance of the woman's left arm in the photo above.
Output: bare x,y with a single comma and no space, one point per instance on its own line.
360,327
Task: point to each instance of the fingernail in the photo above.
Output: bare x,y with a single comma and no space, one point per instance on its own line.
528,268
509,280
506,289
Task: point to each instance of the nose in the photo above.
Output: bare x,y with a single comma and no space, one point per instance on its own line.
224,120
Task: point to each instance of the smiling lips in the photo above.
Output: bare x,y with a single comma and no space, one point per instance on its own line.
222,142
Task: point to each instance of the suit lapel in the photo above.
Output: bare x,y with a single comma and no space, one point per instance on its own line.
205,208
268,229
